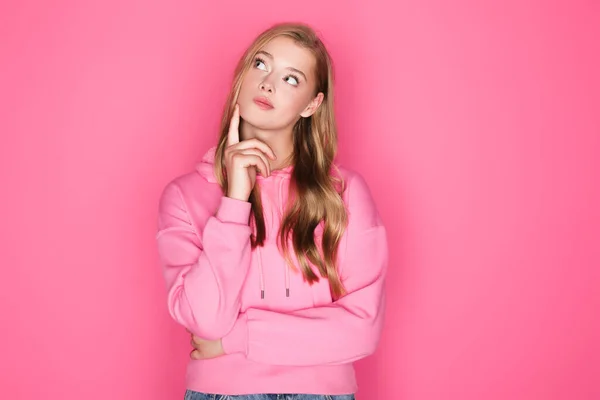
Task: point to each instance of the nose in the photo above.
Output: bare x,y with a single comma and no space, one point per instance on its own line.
266,86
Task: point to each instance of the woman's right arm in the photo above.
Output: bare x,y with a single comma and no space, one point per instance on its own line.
204,271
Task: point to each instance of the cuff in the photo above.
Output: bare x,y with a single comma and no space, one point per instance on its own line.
236,341
233,210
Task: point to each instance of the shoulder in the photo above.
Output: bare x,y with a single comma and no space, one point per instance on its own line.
195,184
354,185
358,197
188,197
182,186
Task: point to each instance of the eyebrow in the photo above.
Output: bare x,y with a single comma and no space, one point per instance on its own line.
290,68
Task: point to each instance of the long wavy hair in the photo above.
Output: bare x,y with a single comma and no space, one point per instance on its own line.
316,185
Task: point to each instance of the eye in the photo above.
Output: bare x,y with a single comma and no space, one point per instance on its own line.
292,80
260,64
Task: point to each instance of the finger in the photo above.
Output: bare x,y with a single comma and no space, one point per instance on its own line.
253,158
249,160
197,340
233,136
195,355
266,168
255,143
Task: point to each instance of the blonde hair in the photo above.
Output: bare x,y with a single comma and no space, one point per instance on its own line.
315,189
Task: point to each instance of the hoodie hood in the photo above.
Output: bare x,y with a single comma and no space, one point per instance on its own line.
206,165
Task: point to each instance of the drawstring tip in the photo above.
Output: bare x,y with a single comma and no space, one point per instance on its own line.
262,294
287,292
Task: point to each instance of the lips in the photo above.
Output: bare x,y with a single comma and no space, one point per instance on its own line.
263,103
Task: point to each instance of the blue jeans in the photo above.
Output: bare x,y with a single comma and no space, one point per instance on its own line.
191,395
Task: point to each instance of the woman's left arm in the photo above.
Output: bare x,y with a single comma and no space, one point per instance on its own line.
341,332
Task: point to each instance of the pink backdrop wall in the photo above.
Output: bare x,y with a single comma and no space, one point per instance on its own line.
476,124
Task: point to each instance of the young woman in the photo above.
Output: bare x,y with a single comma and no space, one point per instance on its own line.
274,258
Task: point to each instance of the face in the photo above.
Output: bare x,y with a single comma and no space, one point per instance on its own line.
280,86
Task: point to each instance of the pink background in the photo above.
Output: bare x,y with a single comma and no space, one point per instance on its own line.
476,124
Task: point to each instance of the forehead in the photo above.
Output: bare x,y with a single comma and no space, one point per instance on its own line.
289,54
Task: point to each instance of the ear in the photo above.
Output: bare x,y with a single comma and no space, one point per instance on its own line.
313,106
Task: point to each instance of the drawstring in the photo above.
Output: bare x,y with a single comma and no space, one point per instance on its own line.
260,272
287,280
287,267
259,253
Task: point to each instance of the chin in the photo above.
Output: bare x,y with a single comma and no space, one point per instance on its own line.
258,121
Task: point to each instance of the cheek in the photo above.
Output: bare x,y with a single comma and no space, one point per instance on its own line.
244,89
249,83
291,108
298,101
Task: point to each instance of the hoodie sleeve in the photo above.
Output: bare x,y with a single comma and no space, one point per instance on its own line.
204,270
342,332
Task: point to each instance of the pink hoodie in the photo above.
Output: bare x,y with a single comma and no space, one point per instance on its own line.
280,334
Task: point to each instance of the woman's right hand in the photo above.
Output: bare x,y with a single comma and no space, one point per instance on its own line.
243,160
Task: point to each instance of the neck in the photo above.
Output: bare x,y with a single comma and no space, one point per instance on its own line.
281,142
